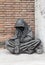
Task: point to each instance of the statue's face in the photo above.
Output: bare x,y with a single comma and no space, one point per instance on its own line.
20,28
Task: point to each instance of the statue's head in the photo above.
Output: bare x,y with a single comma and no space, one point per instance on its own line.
20,24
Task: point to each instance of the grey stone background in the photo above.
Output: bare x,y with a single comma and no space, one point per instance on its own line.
40,20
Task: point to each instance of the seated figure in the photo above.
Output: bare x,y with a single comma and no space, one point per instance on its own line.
23,40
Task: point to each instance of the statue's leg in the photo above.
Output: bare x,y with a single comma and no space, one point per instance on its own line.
24,47
13,46
31,46
9,45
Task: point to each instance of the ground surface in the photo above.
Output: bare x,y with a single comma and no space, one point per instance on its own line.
23,59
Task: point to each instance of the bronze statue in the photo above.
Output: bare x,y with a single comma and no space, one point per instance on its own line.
23,40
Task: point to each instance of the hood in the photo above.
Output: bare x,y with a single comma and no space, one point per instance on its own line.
21,31
20,23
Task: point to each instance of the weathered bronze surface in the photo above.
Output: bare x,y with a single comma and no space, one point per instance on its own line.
23,40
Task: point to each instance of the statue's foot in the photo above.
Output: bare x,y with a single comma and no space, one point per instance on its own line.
39,49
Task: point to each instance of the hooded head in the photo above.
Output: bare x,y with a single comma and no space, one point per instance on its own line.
20,24
22,28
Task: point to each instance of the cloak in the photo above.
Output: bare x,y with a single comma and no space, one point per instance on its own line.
23,40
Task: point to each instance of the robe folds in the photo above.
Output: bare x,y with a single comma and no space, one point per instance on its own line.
23,40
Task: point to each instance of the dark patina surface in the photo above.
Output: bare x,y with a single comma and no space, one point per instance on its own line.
23,40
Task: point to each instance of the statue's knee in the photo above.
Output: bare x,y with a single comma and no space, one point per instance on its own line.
6,42
11,50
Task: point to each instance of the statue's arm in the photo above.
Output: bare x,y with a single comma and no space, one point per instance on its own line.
28,37
30,34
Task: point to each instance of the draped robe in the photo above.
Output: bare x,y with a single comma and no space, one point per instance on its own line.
23,40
